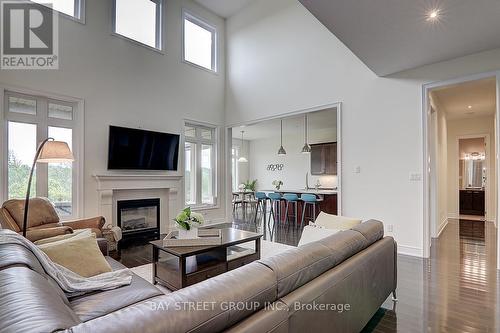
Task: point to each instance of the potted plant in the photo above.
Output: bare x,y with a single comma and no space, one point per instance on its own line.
277,184
188,222
250,186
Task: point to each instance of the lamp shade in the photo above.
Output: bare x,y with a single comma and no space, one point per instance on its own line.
242,159
55,152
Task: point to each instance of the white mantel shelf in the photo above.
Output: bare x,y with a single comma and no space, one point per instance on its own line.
134,181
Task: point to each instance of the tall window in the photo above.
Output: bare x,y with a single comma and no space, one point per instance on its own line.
31,119
200,172
73,8
199,42
139,20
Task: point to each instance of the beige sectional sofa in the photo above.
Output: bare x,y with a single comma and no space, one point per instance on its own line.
332,285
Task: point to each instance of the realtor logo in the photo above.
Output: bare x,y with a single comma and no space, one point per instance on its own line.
28,36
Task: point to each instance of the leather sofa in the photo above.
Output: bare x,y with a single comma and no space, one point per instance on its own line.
43,221
300,290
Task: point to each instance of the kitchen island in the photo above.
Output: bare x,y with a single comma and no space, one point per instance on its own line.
328,201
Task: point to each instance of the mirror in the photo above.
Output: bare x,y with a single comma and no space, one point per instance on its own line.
473,173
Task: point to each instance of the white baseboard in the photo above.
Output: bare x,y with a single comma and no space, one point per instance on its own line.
410,251
441,227
453,216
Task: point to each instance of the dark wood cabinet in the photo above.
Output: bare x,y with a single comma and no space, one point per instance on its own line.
472,202
324,159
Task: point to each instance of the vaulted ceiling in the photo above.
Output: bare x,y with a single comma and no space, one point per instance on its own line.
395,35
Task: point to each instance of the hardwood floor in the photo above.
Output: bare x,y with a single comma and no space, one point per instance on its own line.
456,290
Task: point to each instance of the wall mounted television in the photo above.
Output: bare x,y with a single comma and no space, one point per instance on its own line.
136,149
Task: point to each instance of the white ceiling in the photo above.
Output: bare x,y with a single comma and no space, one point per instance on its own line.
394,35
224,8
320,120
455,99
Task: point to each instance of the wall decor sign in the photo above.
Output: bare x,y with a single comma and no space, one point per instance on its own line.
275,167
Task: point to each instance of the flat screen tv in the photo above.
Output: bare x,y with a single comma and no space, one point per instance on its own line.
135,149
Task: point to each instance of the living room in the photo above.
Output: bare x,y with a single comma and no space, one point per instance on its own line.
197,71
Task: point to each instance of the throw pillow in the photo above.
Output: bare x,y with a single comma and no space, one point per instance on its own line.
312,233
78,254
330,221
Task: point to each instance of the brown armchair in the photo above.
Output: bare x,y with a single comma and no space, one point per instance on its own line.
43,221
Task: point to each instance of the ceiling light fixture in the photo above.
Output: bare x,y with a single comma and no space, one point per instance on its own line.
282,150
433,15
242,159
469,107
307,148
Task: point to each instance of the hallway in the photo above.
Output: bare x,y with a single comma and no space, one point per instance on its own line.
456,290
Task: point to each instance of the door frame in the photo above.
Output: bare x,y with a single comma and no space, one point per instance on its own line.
487,160
229,143
428,164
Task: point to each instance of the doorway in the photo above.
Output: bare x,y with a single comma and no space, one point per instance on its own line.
460,145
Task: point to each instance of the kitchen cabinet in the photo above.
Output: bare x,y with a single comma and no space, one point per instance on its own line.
472,202
324,159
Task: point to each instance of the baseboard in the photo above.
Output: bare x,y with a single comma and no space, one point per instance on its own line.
442,226
410,251
453,216
219,220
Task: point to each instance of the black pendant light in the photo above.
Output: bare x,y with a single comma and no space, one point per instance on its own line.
282,150
307,148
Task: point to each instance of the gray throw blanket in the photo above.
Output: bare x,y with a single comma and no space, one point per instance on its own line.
70,282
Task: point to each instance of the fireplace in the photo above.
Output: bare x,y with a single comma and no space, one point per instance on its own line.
139,218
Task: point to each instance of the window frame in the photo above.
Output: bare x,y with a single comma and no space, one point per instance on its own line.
195,19
42,120
159,24
198,141
79,14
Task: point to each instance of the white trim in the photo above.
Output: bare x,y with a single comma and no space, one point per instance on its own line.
78,128
81,9
443,225
426,88
159,28
228,131
410,251
203,23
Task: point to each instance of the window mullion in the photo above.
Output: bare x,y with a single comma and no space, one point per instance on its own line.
199,173
42,183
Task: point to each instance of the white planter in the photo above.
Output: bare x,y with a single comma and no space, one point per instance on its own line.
188,234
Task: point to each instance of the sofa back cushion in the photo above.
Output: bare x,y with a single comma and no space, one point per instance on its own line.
41,212
296,267
29,303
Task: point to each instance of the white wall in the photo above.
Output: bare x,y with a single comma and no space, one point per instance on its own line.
466,127
282,59
264,152
243,168
128,85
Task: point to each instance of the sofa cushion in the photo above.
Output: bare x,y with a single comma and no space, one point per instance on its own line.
311,233
41,211
93,305
30,303
372,230
296,267
78,254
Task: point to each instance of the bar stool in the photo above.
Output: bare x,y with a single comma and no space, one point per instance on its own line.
275,205
291,198
311,200
262,203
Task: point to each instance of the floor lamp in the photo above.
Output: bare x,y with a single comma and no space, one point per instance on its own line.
49,151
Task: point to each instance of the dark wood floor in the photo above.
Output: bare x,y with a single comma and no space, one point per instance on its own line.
456,290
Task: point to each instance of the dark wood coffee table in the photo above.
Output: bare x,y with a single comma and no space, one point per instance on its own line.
182,266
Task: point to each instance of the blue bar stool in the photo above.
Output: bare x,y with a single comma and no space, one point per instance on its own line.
262,203
311,200
275,205
291,198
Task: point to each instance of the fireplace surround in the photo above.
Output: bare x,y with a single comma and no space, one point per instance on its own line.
139,218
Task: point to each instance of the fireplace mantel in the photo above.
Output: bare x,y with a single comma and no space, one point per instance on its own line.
138,186
135,181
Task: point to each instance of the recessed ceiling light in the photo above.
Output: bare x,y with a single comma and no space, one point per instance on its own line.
433,15
469,107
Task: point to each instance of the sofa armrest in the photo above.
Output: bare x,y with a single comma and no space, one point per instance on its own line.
37,234
90,223
103,245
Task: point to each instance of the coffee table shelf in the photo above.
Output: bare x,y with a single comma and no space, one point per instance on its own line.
179,267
